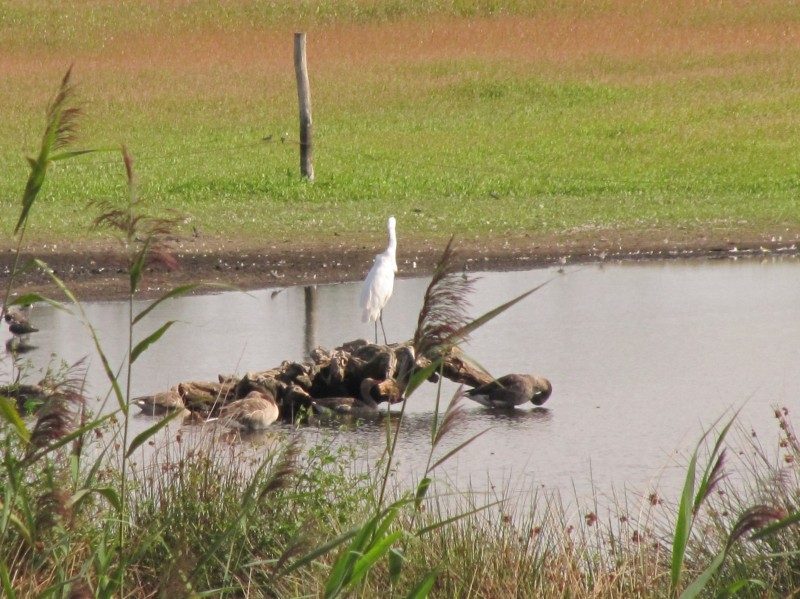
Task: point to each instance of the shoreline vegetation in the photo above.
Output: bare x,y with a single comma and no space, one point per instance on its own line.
566,127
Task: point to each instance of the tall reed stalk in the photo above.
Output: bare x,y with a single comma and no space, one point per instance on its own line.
60,133
60,422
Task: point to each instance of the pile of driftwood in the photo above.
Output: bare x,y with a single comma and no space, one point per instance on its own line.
354,378
357,376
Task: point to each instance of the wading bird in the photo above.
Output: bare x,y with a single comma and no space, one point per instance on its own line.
379,283
512,390
18,324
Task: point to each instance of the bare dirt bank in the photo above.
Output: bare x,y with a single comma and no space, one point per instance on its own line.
94,271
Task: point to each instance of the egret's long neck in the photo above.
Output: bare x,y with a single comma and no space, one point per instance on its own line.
392,239
392,246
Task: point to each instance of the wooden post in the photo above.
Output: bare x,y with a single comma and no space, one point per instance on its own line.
304,98
310,295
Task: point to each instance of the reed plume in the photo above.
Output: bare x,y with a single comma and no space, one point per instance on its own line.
62,414
51,508
59,418
753,519
453,417
62,117
60,132
282,474
715,477
142,236
443,317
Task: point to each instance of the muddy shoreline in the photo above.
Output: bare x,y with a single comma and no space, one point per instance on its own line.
94,271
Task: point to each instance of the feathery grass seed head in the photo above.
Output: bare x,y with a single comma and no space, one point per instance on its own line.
60,416
444,309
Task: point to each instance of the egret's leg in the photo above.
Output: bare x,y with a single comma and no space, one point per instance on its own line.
380,317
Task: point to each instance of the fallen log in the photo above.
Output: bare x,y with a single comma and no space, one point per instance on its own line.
355,377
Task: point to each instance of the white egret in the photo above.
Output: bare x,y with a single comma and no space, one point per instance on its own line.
379,283
512,390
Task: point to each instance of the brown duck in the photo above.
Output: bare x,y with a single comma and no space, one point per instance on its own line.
254,412
512,390
160,403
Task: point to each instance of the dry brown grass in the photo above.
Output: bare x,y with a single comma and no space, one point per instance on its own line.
569,43
253,61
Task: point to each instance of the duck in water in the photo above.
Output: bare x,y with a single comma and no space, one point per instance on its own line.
254,412
512,390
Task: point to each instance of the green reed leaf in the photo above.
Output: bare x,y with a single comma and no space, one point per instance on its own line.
150,339
143,437
109,493
8,410
423,587
178,292
396,561
8,589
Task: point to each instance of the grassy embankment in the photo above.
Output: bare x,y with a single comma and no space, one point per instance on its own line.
679,116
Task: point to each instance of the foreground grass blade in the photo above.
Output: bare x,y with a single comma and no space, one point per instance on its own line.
142,437
456,518
424,587
74,153
109,493
420,376
137,266
456,449
19,525
59,133
86,428
422,491
32,298
8,590
176,292
377,550
370,544
344,565
150,339
110,375
713,471
690,503
468,328
323,549
699,583
683,523
396,560
8,410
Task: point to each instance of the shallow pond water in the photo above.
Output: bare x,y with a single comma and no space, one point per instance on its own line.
643,359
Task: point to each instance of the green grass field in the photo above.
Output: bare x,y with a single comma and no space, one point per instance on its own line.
455,117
